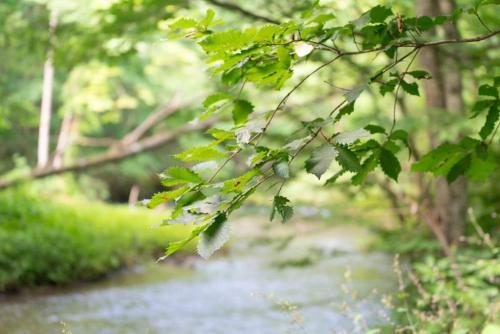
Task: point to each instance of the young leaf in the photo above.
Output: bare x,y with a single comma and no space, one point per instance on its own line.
280,205
390,164
215,98
214,236
321,158
180,175
241,110
166,196
348,159
237,185
177,245
200,153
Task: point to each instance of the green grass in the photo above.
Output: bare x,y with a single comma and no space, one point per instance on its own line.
53,241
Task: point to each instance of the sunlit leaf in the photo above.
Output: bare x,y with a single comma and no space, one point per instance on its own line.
321,159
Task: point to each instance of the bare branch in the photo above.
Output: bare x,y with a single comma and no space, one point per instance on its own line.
112,155
153,120
92,141
242,11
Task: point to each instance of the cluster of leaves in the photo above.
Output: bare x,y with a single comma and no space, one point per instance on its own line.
470,156
266,56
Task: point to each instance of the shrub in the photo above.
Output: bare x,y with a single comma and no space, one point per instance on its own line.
53,241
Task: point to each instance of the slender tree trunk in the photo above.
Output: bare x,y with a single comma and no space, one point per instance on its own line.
133,197
64,139
443,92
46,105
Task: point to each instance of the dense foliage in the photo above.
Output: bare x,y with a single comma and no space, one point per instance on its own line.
61,241
266,56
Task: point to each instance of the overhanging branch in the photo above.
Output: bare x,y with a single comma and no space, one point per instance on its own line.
242,11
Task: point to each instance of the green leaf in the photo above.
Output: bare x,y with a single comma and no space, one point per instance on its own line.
491,120
173,247
166,196
282,169
221,135
345,110
284,56
321,159
237,185
402,136
214,236
487,90
180,175
410,88
419,74
348,159
388,87
480,169
335,177
214,98
390,164
481,105
434,158
459,168
241,110
280,206
425,23
209,17
379,13
368,165
374,129
200,153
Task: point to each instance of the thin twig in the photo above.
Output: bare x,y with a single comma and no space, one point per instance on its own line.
397,90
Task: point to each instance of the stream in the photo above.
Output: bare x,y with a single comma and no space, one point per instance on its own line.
306,278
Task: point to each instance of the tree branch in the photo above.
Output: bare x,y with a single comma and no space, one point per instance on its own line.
173,105
92,141
112,155
242,11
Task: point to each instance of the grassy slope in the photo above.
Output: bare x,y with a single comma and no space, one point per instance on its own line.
54,242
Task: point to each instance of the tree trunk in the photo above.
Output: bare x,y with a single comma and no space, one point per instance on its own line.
444,92
133,197
451,199
46,104
64,139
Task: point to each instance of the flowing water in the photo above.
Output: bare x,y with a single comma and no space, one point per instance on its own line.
302,280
